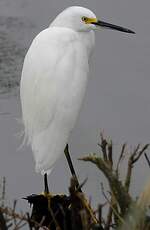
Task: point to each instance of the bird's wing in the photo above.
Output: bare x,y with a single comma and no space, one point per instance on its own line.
47,66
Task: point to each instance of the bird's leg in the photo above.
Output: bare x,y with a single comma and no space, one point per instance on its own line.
84,200
46,189
66,151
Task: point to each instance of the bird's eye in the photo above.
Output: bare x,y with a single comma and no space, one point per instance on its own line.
84,19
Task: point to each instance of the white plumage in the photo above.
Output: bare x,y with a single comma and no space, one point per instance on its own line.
53,82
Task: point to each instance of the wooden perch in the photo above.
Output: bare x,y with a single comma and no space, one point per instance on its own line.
3,225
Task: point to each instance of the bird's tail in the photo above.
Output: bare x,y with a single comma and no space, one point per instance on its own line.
47,147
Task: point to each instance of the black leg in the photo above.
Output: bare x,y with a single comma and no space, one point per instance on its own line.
46,189
86,203
66,151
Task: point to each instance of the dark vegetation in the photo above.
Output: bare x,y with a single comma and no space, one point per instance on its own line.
74,212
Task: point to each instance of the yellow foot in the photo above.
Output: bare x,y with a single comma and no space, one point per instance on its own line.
48,196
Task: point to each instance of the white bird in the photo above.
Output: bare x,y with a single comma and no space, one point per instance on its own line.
54,79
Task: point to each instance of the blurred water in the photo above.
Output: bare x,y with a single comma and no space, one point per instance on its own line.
14,33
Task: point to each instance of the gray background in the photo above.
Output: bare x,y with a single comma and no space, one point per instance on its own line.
117,100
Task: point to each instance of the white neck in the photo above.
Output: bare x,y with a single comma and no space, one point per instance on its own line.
88,38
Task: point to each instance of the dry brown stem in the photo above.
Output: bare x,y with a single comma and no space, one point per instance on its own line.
122,197
120,200
137,153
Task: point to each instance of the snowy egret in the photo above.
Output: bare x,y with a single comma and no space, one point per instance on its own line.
54,79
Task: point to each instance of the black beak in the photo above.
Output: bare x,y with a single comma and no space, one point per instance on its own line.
113,27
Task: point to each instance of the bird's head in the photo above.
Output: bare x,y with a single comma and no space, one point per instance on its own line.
82,19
